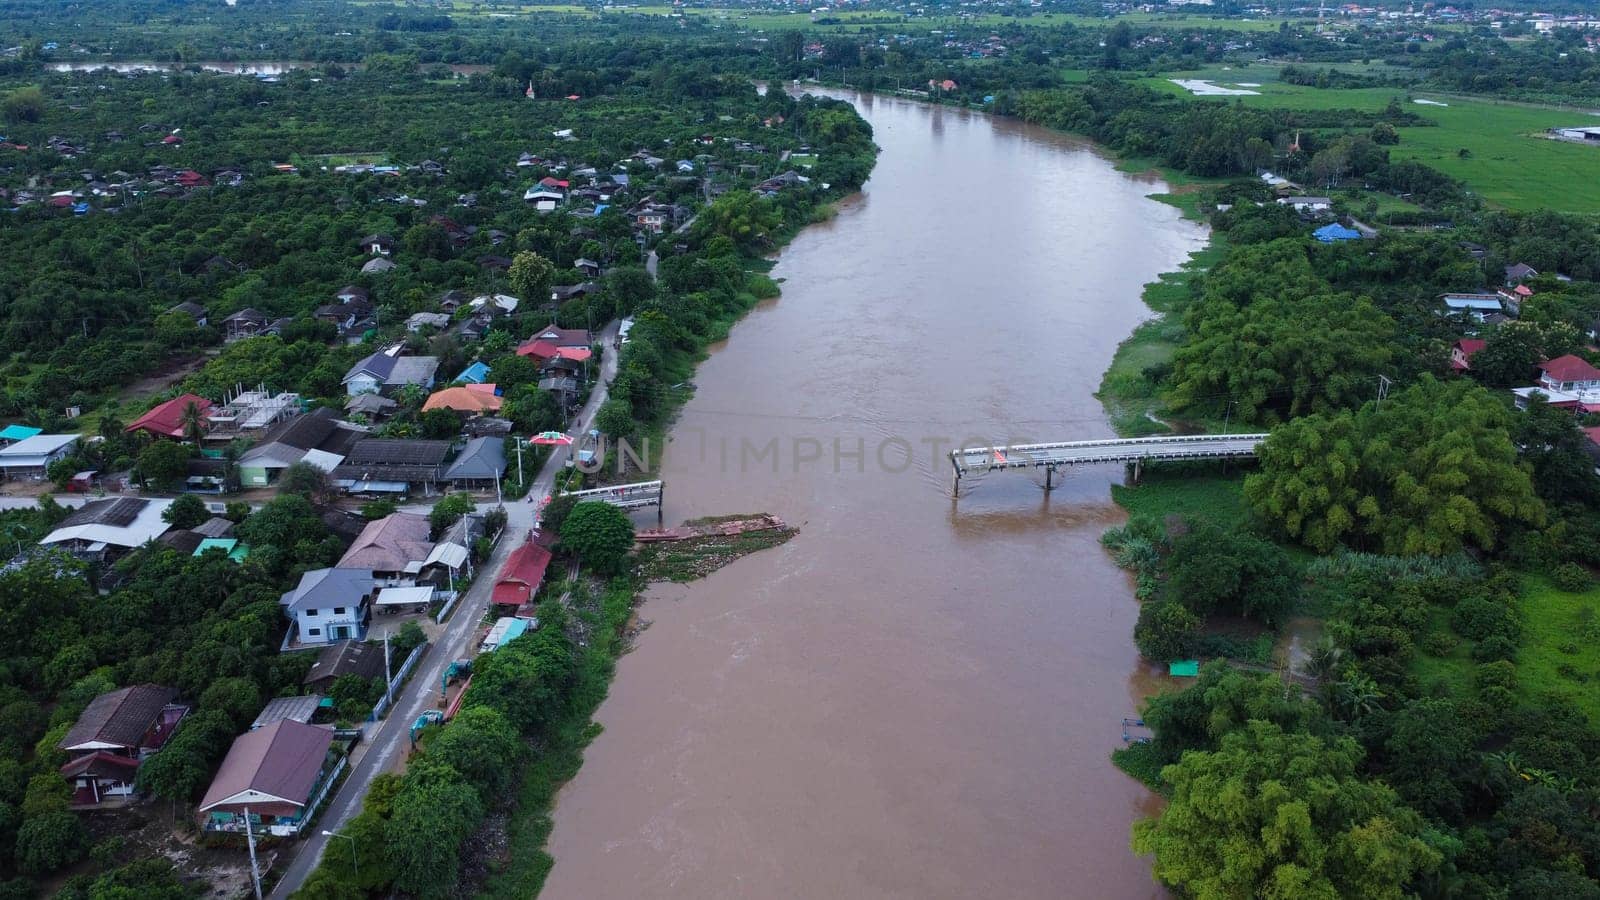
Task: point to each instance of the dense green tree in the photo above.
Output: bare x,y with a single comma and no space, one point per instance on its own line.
1512,350
482,745
1275,814
436,809
186,511
1166,630
164,463
1212,569
530,277
48,842
1427,471
449,511
599,534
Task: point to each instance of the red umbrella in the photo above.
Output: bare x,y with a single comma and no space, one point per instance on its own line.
551,439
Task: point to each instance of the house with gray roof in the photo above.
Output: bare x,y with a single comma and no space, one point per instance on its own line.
317,438
481,464
329,605
388,370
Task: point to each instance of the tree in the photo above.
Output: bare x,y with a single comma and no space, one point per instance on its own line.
164,463
1166,630
1281,815
599,534
449,511
186,512
439,424
615,418
556,511
530,276
305,480
1213,569
1512,350
25,104
482,745
50,841
1558,450
434,812
1428,471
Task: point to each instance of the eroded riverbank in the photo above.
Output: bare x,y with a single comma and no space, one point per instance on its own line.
912,697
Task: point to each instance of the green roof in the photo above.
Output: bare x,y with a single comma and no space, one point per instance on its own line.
1183,668
236,551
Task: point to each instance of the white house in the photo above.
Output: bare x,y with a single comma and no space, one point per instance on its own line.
543,199
109,526
30,457
329,605
1307,204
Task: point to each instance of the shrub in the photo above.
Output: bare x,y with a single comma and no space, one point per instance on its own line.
1495,647
1166,631
1572,578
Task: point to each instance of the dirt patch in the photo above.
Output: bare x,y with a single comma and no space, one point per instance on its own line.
148,829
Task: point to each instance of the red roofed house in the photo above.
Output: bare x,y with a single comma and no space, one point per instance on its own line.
1461,353
277,773
115,733
539,350
167,419
519,578
191,178
1568,373
171,140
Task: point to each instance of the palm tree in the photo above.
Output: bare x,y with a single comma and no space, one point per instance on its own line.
1358,696
193,422
1323,665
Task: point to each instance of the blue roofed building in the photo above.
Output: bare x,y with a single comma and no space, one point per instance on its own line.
1335,232
476,373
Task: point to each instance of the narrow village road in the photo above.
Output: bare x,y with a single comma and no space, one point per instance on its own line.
386,742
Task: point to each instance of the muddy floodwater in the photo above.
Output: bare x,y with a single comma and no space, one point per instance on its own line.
916,697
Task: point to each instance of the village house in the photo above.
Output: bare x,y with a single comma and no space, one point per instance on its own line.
247,322
543,199
358,658
1568,373
469,399
318,439
1476,307
295,709
390,466
377,245
101,529
116,732
377,266
373,406
31,457
274,777
519,578
481,464
329,605
392,549
174,418
1518,273
386,370
193,310
1461,353
474,374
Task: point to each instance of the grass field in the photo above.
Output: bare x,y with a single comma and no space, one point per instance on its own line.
1559,656
1200,492
1507,162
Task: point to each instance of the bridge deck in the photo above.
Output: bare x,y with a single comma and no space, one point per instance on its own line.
1068,453
627,496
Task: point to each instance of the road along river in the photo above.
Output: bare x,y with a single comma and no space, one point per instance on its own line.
915,697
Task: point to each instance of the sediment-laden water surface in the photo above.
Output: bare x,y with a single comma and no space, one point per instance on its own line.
916,697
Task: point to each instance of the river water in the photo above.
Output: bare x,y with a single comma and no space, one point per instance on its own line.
916,697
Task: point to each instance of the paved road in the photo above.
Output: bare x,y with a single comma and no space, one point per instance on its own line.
388,740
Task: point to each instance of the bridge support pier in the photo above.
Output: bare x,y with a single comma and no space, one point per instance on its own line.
955,483
1049,478
1138,470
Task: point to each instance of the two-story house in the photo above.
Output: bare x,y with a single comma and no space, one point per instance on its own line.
329,605
1569,374
113,735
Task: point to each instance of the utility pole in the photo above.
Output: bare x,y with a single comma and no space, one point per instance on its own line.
388,677
250,842
1383,388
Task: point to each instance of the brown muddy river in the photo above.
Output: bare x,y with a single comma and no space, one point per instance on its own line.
916,697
